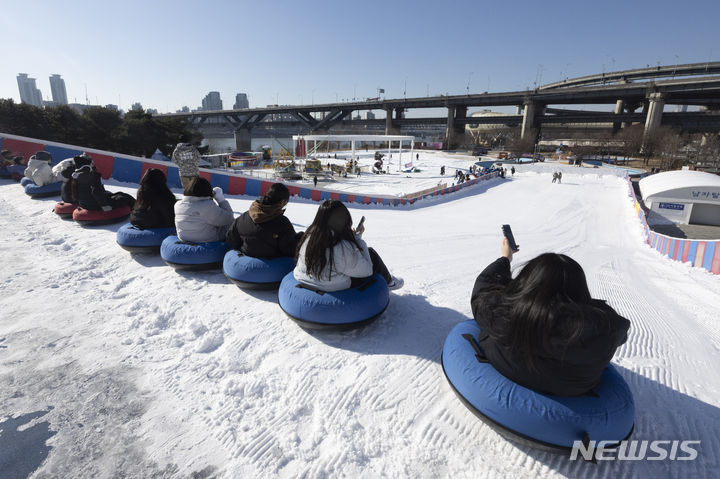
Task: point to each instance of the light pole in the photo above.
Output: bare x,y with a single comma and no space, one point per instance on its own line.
467,88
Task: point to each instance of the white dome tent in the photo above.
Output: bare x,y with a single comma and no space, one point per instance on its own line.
683,197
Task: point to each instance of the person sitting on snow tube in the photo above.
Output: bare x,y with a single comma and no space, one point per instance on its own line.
89,192
542,329
198,218
64,170
332,255
264,231
155,205
11,166
39,169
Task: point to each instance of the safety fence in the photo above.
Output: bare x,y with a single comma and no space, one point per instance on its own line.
130,169
700,253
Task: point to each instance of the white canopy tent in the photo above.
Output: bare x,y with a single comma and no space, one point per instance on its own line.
355,138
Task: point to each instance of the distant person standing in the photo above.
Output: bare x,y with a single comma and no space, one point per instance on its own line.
187,157
555,177
417,157
559,176
442,170
315,180
512,170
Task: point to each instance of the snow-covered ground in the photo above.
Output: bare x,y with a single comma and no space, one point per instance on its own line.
114,365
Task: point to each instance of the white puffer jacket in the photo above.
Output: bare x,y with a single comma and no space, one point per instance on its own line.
348,262
201,220
40,172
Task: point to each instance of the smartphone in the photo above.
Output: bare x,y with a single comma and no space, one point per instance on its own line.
507,232
362,220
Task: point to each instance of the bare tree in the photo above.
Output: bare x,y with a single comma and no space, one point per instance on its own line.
518,146
668,145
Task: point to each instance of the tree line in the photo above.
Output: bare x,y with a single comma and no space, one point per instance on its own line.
667,148
135,133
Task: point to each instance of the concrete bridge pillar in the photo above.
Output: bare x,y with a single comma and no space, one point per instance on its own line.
450,128
243,139
528,119
390,128
518,110
653,119
619,108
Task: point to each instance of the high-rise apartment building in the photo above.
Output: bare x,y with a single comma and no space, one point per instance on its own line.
29,92
241,101
57,86
212,101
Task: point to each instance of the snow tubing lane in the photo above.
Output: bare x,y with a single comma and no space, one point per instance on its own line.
542,421
192,256
35,191
346,309
64,210
136,240
100,217
26,181
256,273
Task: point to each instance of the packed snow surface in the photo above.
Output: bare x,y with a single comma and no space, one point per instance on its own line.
114,365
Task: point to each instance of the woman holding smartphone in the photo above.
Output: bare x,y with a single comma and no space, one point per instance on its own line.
542,329
332,256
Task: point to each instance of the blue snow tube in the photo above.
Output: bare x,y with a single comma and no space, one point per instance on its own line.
24,181
136,240
185,255
35,191
256,273
551,423
346,309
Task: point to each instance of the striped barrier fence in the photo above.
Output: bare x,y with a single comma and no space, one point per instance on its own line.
130,169
700,253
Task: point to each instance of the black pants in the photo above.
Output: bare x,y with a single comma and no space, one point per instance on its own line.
378,268
120,199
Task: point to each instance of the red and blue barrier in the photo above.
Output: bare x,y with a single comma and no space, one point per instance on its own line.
130,169
700,253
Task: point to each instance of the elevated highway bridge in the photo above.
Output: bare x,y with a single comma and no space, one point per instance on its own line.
644,89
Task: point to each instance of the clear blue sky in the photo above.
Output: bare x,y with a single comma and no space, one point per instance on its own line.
167,54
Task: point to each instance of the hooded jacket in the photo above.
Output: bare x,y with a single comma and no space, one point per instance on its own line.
263,232
187,157
91,193
40,172
348,262
64,171
563,367
200,220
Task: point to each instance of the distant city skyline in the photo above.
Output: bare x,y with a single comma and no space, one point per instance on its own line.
323,51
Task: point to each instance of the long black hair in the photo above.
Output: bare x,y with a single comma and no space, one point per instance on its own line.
332,224
545,300
153,188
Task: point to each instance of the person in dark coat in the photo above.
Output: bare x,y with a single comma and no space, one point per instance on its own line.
542,329
88,190
155,205
264,231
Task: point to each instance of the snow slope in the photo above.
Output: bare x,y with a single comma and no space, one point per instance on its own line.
116,365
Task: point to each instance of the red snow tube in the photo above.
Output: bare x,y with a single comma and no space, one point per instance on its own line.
100,217
64,210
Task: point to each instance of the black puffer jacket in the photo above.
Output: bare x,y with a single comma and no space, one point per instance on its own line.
565,368
263,232
159,214
91,193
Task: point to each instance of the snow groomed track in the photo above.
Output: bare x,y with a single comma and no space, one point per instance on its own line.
119,363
